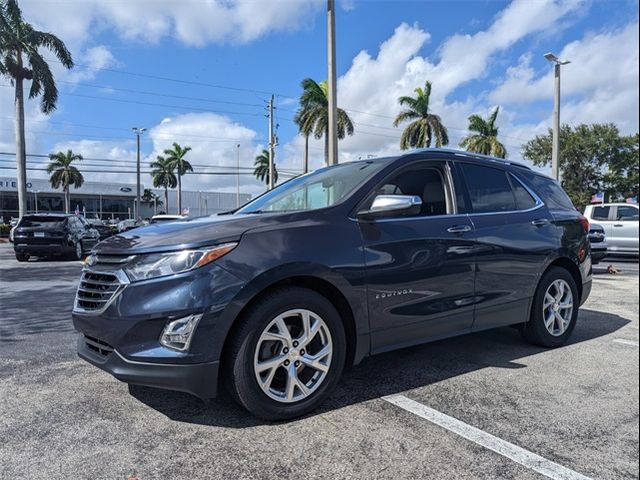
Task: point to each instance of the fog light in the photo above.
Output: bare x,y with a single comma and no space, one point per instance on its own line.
178,333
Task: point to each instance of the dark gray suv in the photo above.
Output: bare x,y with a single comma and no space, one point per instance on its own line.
275,299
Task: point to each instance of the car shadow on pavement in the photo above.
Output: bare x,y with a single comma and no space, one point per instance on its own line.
388,373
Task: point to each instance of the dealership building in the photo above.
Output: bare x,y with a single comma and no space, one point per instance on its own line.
110,200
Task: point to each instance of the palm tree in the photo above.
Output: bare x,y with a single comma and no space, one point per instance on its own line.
64,174
425,125
313,115
20,60
149,197
261,170
485,138
175,155
162,173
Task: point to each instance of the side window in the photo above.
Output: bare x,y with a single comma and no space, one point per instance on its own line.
489,189
600,213
627,213
548,190
424,182
524,200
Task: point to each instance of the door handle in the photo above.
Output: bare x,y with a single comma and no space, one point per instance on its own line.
540,222
618,225
459,229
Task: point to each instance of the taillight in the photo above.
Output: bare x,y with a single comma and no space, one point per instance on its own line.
585,223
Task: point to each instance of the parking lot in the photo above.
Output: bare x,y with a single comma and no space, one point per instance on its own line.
486,405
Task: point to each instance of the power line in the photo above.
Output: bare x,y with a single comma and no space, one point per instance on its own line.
35,169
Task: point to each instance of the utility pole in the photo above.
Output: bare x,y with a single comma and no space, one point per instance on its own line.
137,132
555,144
271,143
238,178
332,130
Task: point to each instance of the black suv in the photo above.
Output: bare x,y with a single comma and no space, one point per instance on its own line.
276,298
46,234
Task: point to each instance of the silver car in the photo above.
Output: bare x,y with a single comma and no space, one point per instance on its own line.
620,222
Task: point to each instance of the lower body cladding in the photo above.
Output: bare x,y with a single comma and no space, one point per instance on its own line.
128,338
36,249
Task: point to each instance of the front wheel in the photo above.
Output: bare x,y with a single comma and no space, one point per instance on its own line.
555,309
22,257
287,354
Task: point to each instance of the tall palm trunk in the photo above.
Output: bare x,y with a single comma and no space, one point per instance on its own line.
67,199
166,198
306,154
21,157
179,193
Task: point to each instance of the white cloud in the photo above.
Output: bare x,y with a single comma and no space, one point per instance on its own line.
599,85
369,90
94,58
192,22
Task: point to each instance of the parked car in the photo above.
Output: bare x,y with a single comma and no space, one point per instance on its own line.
356,259
126,225
621,222
103,229
598,240
44,234
166,218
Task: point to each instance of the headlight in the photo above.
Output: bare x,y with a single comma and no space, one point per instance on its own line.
155,265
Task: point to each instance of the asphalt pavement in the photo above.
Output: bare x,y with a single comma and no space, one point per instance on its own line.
486,405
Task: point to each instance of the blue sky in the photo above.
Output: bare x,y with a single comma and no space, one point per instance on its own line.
478,55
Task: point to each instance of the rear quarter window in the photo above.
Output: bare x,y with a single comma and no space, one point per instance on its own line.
548,190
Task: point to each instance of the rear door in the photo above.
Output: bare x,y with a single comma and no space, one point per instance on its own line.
515,236
624,228
420,268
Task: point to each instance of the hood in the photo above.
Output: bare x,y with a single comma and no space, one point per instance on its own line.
191,233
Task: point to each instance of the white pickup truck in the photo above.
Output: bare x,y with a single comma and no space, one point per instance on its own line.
620,221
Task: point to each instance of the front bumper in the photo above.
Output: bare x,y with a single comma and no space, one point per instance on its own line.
199,379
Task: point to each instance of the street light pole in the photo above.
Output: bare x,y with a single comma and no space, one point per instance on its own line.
137,131
238,178
332,129
272,144
555,144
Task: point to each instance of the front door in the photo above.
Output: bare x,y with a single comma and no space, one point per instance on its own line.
420,268
624,229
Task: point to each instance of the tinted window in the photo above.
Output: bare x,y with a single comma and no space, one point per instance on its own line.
489,189
548,190
627,213
524,200
42,221
600,213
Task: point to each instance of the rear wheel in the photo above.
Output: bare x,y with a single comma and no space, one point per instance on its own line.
22,257
555,309
77,251
287,354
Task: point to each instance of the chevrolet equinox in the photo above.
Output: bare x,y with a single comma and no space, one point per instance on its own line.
273,300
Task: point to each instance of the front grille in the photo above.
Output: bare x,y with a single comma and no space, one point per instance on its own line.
96,290
101,348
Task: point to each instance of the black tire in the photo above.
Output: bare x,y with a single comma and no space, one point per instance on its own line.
22,257
77,252
534,330
239,362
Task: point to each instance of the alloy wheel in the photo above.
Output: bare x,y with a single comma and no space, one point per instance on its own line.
557,308
293,355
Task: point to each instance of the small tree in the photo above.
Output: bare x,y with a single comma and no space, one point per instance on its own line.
175,156
62,174
163,176
593,158
261,170
483,138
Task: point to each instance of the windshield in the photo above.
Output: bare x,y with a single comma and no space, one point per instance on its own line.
42,221
323,188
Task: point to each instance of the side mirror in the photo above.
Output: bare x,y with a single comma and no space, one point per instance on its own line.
389,206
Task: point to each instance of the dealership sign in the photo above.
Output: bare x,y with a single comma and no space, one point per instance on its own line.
12,183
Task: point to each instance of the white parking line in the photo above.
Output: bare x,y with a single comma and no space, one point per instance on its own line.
626,342
502,447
